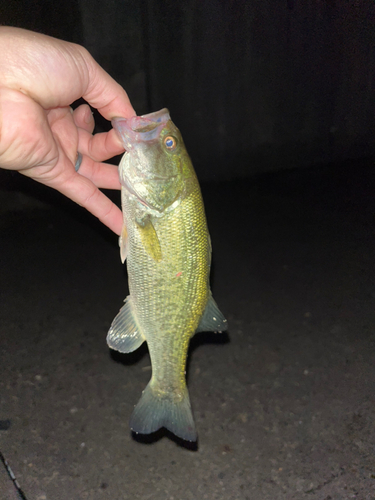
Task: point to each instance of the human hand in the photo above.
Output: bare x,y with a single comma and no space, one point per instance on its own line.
40,135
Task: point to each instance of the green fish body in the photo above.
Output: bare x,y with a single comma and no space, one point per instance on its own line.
167,246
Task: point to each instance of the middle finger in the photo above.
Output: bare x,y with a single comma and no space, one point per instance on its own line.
100,146
103,175
83,118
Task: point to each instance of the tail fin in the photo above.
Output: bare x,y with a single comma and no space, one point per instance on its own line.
154,411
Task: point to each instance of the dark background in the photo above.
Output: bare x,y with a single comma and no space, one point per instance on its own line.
253,86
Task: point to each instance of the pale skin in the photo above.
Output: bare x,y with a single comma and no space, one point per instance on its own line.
40,135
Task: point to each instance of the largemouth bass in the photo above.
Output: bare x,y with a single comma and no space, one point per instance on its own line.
167,246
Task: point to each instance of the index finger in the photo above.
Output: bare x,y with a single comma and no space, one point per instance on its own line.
56,73
103,92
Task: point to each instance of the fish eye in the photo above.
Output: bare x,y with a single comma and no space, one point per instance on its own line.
170,142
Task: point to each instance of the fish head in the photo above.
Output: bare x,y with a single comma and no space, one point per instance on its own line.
156,166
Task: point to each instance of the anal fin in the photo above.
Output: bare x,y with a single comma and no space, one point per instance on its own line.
125,334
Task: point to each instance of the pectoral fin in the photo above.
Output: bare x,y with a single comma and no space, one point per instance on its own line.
212,319
150,240
125,334
123,243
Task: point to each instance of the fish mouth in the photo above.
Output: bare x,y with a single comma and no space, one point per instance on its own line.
138,129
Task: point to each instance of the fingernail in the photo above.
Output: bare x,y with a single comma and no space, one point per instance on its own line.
89,117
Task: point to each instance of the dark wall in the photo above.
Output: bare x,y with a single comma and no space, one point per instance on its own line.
253,86
265,84
59,19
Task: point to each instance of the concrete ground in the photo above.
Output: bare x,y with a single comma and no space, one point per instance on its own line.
283,403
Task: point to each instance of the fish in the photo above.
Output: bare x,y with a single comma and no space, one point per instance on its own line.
167,248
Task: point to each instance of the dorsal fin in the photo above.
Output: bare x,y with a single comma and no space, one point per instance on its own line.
212,319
